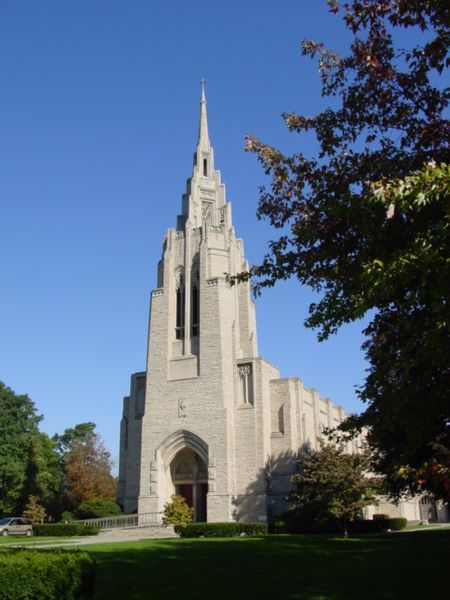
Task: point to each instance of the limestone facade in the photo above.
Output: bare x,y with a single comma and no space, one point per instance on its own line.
210,418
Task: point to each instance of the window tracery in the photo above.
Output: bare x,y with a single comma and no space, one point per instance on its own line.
245,384
180,307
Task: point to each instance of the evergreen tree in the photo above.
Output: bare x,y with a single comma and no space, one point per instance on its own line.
177,512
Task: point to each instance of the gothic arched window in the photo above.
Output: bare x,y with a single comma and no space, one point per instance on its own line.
205,167
179,327
195,304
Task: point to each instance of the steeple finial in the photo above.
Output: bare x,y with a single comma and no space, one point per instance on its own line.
203,137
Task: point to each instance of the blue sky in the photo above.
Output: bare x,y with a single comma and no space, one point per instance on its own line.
98,122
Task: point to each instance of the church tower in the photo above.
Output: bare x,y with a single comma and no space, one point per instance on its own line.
208,414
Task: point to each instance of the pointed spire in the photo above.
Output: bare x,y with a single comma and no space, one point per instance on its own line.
203,137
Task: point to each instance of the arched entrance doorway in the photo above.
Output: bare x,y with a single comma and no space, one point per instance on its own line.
189,476
183,459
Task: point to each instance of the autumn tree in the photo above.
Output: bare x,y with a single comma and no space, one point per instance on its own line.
87,466
34,511
331,489
58,473
365,222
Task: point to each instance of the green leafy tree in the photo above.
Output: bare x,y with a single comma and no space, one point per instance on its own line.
82,433
43,473
67,516
407,343
177,512
92,509
18,426
332,488
365,221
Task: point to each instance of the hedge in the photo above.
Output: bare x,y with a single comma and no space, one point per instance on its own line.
368,526
46,574
377,525
293,522
380,516
398,523
65,529
283,524
195,530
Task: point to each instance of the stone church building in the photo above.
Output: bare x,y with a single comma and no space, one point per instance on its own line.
210,419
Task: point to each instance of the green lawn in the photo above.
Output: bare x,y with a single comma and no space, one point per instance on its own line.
397,566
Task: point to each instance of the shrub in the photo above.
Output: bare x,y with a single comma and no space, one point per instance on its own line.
377,525
297,522
277,525
34,511
398,523
46,574
331,489
177,512
195,530
380,517
67,516
368,526
65,529
93,509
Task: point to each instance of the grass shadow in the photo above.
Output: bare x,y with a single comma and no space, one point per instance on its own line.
283,567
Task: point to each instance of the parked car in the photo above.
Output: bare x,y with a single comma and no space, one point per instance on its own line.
16,526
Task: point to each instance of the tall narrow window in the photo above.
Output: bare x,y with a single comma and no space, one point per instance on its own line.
281,419
195,310
246,384
179,329
205,167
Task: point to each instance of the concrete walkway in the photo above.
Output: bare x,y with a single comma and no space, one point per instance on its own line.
109,536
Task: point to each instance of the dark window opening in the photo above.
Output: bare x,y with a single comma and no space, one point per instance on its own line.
179,329
195,311
281,419
205,167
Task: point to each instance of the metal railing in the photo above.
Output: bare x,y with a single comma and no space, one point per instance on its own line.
124,521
